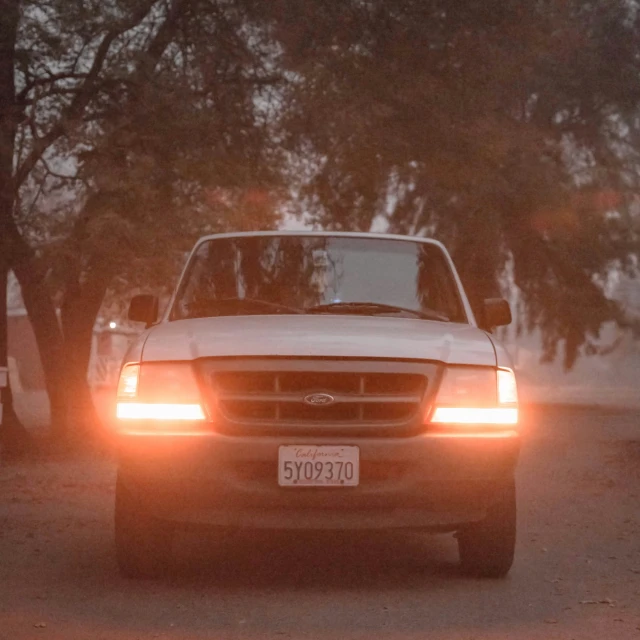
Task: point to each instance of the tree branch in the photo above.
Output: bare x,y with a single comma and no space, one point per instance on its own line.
53,91
82,98
32,206
162,38
51,79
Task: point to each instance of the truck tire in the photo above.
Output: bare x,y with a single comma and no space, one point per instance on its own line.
143,543
487,547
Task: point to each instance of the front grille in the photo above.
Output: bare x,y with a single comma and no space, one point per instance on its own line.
357,398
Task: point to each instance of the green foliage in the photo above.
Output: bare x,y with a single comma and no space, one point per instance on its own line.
507,129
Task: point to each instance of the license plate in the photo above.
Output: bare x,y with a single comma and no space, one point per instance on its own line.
318,466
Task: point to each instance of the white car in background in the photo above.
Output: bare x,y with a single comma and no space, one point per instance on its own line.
317,381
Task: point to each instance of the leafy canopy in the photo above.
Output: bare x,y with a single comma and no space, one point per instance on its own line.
507,129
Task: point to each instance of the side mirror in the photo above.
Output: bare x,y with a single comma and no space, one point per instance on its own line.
143,308
496,312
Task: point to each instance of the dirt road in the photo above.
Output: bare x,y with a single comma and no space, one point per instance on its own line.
577,571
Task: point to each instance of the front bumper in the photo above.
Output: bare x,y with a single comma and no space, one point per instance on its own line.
430,481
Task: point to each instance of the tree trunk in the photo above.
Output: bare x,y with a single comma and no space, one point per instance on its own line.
48,334
13,435
78,315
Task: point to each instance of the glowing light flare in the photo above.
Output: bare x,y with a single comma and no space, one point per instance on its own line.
158,411
141,429
475,416
493,434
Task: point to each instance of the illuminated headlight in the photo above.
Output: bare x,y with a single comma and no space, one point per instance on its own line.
471,396
507,388
128,382
152,411
157,392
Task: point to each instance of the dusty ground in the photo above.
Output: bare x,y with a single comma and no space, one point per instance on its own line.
577,572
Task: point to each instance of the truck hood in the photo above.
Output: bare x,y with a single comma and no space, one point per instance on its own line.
319,336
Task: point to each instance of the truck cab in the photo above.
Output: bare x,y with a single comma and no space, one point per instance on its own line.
317,381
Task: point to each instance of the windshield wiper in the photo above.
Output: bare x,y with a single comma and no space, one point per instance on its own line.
375,308
217,307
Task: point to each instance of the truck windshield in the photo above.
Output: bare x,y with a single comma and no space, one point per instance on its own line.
258,275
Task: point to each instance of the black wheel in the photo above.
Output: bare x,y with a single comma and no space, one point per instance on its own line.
487,547
143,543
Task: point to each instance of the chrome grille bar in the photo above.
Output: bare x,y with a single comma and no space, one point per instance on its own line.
271,397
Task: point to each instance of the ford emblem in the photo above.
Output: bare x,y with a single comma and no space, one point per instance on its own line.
319,399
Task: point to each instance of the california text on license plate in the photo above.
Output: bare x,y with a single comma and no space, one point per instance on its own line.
318,466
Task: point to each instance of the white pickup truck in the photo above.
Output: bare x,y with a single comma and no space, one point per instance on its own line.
317,381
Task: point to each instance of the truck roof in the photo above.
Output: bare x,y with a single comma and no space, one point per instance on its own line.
303,232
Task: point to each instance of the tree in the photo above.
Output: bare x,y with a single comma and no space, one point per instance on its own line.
137,110
507,129
9,120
